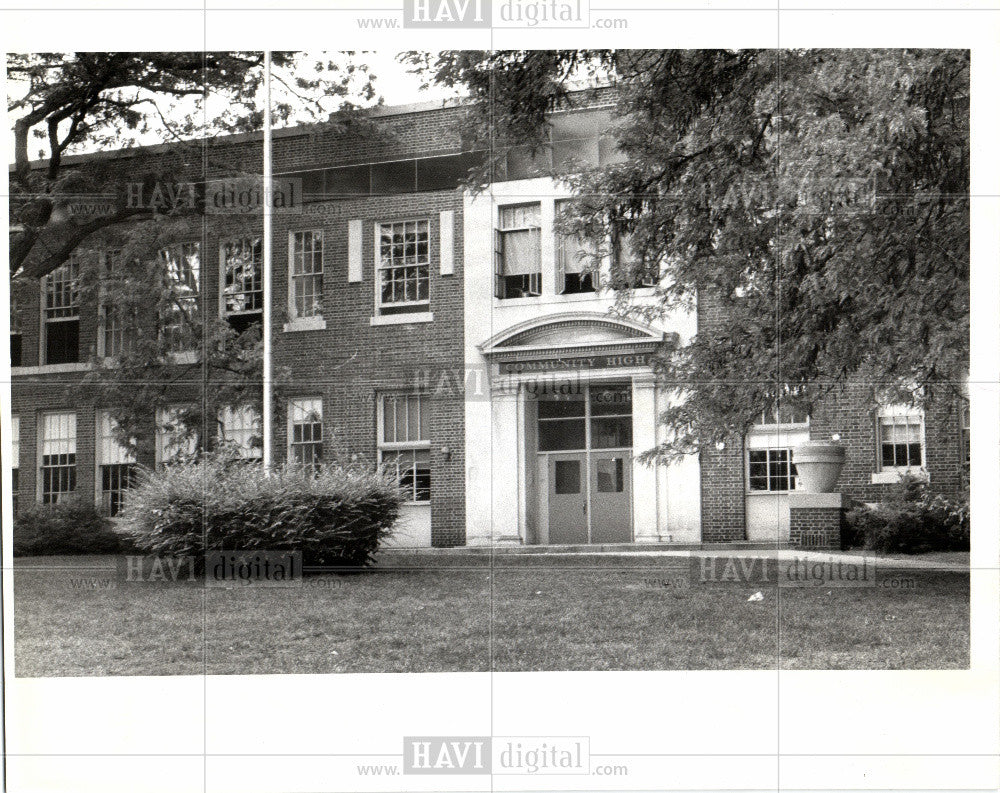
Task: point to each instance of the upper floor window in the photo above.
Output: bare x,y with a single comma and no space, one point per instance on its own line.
305,431
61,314
900,439
306,273
638,274
240,430
404,443
518,270
575,259
404,267
242,284
57,472
111,331
782,414
116,466
182,267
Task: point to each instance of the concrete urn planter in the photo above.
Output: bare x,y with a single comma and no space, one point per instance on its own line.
818,464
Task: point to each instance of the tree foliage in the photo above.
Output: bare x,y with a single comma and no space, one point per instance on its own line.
118,103
818,199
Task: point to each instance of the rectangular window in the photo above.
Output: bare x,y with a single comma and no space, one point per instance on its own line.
783,414
900,438
242,285
15,459
404,443
116,466
575,260
306,273
305,431
519,252
772,470
110,334
180,320
57,473
404,267
175,441
240,431
61,314
636,273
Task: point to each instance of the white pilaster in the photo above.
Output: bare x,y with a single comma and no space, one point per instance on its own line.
645,501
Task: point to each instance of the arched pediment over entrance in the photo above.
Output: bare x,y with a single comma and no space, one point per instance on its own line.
577,341
573,334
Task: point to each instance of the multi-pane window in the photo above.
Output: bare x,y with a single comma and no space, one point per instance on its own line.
575,258
305,431
594,417
175,441
628,261
404,444
242,285
900,437
57,473
240,431
111,335
61,314
404,267
784,413
772,470
182,267
518,269
306,271
15,459
116,466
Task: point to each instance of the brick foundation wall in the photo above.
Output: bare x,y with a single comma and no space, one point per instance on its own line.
816,527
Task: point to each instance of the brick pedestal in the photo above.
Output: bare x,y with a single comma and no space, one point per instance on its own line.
817,519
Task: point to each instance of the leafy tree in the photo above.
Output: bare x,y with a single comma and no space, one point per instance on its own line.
818,199
80,102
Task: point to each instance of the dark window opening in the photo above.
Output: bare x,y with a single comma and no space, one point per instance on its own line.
15,349
241,323
578,283
115,480
62,342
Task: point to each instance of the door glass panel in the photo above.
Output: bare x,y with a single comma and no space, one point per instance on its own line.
561,434
610,475
567,476
611,433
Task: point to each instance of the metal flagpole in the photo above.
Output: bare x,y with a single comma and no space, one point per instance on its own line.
267,205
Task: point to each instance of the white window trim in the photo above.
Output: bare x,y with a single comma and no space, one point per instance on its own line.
379,318
184,356
315,321
887,475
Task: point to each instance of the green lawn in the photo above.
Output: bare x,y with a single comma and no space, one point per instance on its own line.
75,617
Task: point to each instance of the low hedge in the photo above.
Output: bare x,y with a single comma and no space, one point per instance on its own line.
912,519
72,527
335,516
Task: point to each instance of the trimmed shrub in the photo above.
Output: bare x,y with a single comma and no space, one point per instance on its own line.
912,519
337,516
71,527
